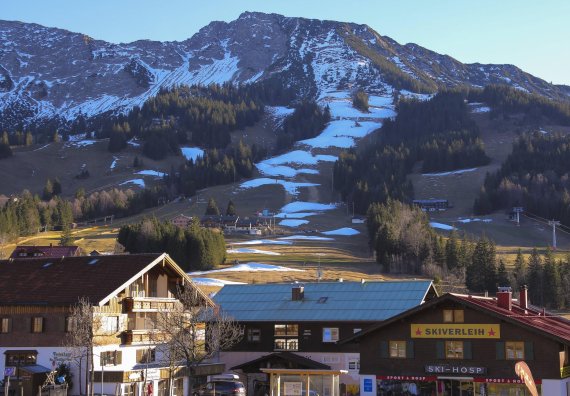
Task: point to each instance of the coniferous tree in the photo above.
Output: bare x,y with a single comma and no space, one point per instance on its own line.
520,270
360,100
48,190
481,273
502,275
535,278
552,287
231,210
212,208
452,251
56,187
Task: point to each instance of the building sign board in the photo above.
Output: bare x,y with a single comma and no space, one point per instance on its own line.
152,374
455,330
565,372
454,369
504,381
292,388
419,378
9,371
367,384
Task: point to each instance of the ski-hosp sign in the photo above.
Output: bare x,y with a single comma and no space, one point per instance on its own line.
455,330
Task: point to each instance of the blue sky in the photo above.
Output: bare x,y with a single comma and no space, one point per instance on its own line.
532,35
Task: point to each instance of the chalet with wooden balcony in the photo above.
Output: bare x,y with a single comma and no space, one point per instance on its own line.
126,291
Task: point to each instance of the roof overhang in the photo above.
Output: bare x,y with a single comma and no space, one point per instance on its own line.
165,260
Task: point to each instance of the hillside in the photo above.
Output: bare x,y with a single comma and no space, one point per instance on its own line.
48,73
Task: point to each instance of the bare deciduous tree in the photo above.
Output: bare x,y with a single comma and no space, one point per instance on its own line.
194,331
80,338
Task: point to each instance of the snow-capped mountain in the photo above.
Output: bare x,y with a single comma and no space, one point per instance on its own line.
50,73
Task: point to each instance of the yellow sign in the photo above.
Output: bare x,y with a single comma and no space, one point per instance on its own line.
455,330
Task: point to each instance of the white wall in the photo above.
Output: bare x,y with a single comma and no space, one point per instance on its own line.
555,387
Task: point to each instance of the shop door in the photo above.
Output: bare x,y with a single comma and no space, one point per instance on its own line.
455,388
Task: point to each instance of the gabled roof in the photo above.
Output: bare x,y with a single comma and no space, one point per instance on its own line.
533,319
44,251
293,359
337,301
62,281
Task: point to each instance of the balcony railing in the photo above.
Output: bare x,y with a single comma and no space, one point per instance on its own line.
136,337
148,304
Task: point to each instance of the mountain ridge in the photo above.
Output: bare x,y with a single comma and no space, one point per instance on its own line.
51,73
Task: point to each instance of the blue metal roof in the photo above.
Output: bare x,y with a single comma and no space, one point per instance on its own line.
345,301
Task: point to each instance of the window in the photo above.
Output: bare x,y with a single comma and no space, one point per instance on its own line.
5,325
286,330
397,349
330,334
146,355
286,344
20,358
514,350
130,389
37,324
109,324
178,387
111,358
354,364
253,335
70,324
454,349
453,316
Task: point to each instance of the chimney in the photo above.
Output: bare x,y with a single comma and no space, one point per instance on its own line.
504,298
297,293
523,297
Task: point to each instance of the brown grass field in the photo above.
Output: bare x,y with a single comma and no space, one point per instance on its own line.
345,257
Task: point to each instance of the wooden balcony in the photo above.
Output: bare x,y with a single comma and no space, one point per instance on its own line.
139,337
148,304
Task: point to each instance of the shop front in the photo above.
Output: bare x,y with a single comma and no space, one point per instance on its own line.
466,346
450,386
154,381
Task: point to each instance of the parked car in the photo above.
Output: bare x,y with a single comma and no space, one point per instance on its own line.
221,388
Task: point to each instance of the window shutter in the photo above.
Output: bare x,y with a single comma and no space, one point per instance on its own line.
384,349
440,350
528,351
467,351
500,350
410,349
118,357
139,356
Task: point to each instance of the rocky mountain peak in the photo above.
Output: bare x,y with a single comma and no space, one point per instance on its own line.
48,73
